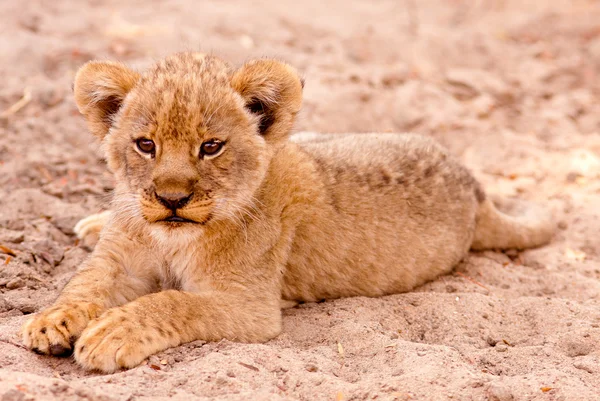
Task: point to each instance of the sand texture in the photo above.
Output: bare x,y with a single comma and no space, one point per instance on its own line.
511,87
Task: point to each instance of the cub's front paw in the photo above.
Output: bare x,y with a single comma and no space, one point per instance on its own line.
118,339
54,330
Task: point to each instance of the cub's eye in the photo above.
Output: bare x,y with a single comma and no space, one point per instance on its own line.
145,145
211,147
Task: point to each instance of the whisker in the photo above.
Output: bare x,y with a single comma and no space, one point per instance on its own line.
214,112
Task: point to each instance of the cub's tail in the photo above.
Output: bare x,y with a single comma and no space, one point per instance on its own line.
511,223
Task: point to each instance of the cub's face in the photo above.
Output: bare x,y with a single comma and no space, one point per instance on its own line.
189,140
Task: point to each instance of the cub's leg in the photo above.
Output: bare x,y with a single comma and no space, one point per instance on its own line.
106,280
123,337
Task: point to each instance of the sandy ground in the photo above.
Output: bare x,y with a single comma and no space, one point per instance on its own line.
512,87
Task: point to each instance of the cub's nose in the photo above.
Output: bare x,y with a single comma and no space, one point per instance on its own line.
173,200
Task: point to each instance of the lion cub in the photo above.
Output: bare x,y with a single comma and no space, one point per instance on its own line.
218,219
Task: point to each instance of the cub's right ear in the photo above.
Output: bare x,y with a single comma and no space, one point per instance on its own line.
100,88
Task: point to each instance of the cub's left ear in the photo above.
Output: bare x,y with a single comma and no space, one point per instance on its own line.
100,88
272,91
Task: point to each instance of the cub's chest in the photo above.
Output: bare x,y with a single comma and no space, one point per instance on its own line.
183,269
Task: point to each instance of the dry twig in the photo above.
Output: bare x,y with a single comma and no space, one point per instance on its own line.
7,250
472,280
18,105
11,342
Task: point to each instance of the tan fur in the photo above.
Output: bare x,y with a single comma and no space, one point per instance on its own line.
275,221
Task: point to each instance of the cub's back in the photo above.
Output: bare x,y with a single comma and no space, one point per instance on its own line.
388,203
389,169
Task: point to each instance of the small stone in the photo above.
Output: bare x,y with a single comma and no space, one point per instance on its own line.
13,236
491,341
16,225
84,393
395,78
421,353
584,365
66,224
483,105
26,306
501,347
15,283
499,392
311,367
230,373
5,306
49,251
222,380
572,177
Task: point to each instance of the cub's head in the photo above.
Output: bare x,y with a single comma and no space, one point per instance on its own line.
190,139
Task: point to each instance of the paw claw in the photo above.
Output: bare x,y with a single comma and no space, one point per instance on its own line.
111,343
59,350
55,330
